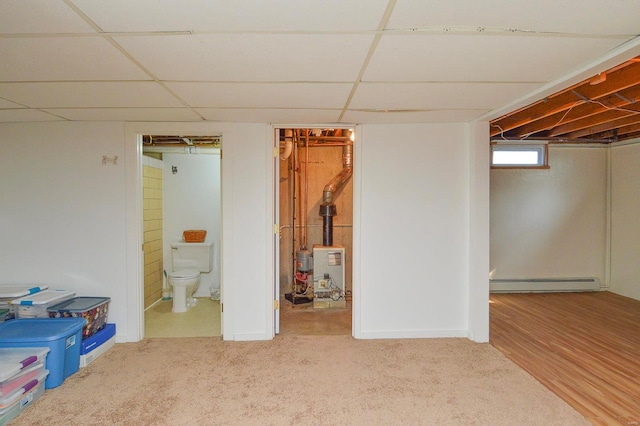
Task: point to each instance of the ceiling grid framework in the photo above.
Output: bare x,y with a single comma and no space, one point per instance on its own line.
324,61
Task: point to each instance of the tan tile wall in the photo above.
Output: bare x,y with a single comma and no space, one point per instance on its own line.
152,214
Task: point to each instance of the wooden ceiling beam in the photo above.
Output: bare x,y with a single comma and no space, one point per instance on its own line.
618,80
630,120
589,122
584,110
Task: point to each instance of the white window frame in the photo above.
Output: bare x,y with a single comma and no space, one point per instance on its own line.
541,148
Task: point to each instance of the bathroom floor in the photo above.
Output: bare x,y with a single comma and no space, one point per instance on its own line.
202,320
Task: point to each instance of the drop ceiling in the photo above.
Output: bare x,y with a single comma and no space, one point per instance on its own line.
313,62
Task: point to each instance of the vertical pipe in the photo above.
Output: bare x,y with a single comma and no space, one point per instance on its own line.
293,209
306,192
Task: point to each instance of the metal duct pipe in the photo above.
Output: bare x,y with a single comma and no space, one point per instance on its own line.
328,208
288,144
341,178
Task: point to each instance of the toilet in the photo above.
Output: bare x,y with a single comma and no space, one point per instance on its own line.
188,261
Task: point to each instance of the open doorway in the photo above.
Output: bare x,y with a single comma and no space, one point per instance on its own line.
315,238
181,192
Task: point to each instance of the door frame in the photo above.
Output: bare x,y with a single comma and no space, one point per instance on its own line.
133,133
355,236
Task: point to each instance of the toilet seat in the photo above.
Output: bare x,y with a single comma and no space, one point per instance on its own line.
184,274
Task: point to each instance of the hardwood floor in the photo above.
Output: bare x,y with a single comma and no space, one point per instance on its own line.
585,347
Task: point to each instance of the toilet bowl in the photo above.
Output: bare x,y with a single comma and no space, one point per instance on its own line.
184,283
188,261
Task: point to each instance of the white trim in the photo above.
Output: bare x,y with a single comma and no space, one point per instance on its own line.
249,337
133,131
402,334
134,261
270,189
356,286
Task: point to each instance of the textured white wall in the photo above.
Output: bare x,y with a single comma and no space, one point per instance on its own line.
625,223
551,223
413,271
191,200
62,212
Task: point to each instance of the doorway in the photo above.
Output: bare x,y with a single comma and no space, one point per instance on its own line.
314,242
181,191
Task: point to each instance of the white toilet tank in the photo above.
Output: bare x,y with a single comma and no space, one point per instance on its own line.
192,255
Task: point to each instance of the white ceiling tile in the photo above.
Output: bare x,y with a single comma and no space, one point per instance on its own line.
40,16
288,116
89,94
480,57
126,114
251,57
399,96
5,104
568,16
441,116
225,15
64,59
263,95
20,115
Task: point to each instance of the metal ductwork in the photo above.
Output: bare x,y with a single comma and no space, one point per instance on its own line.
335,185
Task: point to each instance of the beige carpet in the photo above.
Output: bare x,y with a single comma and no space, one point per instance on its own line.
301,380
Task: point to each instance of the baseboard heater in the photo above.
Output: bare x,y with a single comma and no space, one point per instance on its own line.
532,285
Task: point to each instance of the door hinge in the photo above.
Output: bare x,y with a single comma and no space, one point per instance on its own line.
276,228
276,304
221,307
276,152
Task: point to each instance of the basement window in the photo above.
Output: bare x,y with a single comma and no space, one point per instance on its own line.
517,155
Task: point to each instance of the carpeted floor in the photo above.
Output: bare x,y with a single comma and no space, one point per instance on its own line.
301,380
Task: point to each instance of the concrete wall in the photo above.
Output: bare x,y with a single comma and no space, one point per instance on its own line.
551,223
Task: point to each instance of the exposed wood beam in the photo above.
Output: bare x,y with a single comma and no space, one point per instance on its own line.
608,125
618,80
577,112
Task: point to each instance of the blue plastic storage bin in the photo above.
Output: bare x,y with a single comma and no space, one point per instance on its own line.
63,337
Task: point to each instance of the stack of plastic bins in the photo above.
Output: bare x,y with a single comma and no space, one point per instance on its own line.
62,336
22,377
96,345
35,305
93,309
10,293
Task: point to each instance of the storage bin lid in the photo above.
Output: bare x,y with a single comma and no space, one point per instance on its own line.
12,292
43,297
78,304
15,359
30,330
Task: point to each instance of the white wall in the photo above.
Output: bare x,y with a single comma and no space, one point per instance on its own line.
413,271
551,223
70,222
625,223
62,212
191,200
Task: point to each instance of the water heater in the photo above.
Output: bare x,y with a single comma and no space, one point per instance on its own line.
328,277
